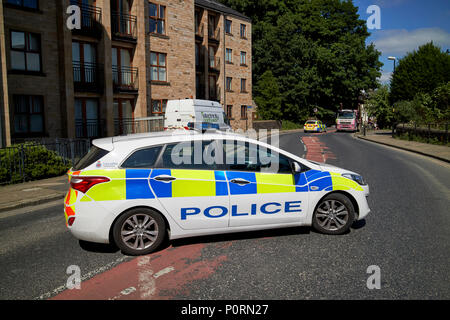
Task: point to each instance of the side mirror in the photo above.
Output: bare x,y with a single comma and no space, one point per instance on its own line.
296,168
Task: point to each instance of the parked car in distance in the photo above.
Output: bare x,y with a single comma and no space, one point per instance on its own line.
314,126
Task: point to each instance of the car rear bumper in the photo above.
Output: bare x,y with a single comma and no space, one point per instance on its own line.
92,222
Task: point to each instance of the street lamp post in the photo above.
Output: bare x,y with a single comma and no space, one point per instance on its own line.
393,125
393,59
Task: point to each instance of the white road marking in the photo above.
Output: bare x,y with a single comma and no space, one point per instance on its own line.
83,278
163,272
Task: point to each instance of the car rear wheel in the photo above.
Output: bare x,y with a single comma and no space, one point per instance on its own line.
139,231
334,214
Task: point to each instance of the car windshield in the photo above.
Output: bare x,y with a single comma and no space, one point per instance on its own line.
345,115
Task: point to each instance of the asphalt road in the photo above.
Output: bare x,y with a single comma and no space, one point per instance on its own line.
407,235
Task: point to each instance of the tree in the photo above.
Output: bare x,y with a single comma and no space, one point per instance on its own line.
420,71
315,49
268,98
441,102
378,106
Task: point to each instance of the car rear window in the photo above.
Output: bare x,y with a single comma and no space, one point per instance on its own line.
310,122
94,154
144,158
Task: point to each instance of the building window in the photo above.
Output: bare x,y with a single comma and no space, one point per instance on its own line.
230,111
228,83
229,55
123,109
123,116
28,114
29,4
228,26
158,106
243,58
243,31
84,62
244,112
25,51
158,66
157,18
87,123
243,85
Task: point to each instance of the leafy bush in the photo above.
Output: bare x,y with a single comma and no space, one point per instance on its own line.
289,125
31,162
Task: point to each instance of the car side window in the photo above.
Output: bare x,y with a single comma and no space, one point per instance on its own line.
143,158
198,155
247,156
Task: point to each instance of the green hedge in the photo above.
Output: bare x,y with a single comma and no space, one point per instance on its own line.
36,162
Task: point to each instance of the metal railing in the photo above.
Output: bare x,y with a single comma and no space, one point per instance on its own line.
427,132
140,125
125,78
40,158
87,76
124,25
91,19
90,128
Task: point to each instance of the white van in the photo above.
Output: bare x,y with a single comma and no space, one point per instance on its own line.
195,114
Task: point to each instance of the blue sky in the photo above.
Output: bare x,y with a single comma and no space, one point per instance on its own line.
405,25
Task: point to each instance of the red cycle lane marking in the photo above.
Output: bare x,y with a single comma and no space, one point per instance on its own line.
161,275
316,150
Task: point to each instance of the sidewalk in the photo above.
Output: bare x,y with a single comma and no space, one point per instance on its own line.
32,193
384,137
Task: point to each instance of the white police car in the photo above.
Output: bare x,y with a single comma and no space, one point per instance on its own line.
135,190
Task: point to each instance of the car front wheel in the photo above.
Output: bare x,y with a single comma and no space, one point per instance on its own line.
334,214
139,231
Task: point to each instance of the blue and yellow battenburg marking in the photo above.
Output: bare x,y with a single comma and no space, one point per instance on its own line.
128,184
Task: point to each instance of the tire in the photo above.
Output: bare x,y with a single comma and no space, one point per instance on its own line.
139,231
327,221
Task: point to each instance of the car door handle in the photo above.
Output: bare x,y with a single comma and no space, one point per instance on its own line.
240,181
165,178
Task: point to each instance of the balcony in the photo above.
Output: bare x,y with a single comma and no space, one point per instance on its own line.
129,126
214,35
214,64
125,79
87,77
199,31
124,27
214,93
90,128
91,21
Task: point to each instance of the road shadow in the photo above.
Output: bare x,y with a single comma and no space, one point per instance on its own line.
247,235
358,224
98,247
240,236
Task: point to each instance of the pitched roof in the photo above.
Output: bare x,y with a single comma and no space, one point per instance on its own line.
217,6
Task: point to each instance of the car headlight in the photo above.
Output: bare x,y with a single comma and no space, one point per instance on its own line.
355,177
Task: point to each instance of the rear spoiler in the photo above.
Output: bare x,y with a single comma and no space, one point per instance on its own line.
104,143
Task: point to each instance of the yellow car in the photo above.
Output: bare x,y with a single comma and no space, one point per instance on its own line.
314,126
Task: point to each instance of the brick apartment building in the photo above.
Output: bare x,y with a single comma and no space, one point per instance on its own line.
115,74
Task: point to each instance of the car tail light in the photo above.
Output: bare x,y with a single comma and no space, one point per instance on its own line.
83,184
70,221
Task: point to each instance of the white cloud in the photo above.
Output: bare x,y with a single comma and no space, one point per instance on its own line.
401,41
385,77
